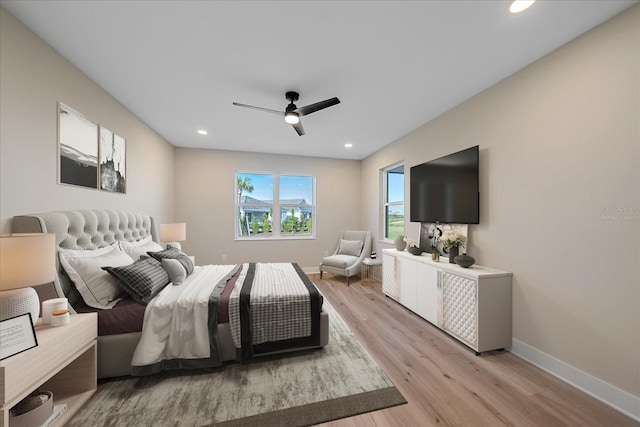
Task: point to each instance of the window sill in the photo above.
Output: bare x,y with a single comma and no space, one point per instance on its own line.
270,239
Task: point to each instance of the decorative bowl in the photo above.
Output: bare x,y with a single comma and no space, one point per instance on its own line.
464,260
414,250
33,410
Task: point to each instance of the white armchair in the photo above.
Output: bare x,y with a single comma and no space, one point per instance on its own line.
353,247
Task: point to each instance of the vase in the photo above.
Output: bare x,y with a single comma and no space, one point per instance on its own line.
399,243
464,260
453,253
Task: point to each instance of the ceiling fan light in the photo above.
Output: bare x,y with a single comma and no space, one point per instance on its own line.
292,118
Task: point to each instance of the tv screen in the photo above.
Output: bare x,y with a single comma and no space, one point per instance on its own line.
447,189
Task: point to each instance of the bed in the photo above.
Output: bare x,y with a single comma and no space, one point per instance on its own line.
81,232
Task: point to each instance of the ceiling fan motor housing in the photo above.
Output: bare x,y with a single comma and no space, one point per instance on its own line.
292,96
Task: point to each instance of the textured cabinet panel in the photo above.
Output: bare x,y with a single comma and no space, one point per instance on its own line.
460,307
389,276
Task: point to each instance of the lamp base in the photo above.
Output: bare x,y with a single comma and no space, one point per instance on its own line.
19,301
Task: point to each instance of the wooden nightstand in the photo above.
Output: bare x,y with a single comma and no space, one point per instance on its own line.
64,362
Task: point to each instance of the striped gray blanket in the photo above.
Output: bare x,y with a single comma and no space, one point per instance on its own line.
273,306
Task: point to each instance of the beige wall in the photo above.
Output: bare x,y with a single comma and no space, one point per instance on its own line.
205,200
559,150
33,78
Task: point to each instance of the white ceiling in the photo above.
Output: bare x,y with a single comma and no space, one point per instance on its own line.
395,65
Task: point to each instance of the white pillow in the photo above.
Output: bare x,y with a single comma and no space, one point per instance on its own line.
176,271
136,249
97,287
350,247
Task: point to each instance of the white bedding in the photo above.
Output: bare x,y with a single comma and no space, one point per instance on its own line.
175,321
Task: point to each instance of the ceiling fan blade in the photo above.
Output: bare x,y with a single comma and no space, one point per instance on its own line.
298,127
259,108
312,108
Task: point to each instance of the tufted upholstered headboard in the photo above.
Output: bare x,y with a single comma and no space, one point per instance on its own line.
84,229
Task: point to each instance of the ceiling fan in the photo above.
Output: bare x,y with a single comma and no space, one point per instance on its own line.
292,113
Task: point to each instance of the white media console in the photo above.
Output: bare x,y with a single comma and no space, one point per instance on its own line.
471,304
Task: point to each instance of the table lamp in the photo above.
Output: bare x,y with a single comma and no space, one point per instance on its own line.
25,260
173,234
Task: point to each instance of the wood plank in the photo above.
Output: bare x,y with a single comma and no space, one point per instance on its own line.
444,382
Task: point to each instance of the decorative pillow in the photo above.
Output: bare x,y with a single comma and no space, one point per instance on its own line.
84,268
142,280
176,271
174,254
136,249
350,247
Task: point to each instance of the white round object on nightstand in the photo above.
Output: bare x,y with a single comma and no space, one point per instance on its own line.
51,305
60,318
19,301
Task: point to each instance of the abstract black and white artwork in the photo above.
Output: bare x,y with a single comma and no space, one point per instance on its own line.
112,161
77,148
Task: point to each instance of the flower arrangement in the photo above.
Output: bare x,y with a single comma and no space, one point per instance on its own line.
452,239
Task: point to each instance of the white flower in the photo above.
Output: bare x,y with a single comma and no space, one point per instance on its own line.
453,238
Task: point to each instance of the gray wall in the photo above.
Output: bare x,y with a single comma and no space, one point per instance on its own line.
559,151
33,78
205,200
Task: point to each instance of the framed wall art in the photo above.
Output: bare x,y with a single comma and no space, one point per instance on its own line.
77,148
112,149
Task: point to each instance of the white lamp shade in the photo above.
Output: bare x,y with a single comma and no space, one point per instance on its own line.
173,232
27,260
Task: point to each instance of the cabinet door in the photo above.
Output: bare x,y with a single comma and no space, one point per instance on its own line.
460,307
427,292
389,276
408,279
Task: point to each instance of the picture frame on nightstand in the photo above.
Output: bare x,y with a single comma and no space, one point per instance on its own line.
17,335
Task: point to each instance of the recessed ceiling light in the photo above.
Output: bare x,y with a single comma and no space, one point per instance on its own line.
202,132
348,145
518,6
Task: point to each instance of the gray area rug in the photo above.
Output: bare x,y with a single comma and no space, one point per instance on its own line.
298,389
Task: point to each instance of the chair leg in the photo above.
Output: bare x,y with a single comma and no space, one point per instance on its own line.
347,280
320,274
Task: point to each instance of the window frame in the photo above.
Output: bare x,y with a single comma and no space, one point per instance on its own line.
384,176
276,206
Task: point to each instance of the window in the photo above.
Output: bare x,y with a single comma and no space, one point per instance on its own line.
260,195
393,201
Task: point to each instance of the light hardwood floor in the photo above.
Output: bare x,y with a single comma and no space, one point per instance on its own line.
444,382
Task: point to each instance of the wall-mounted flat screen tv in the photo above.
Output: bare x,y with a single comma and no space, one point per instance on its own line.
447,189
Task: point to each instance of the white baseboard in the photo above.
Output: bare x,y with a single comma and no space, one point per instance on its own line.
618,399
311,270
